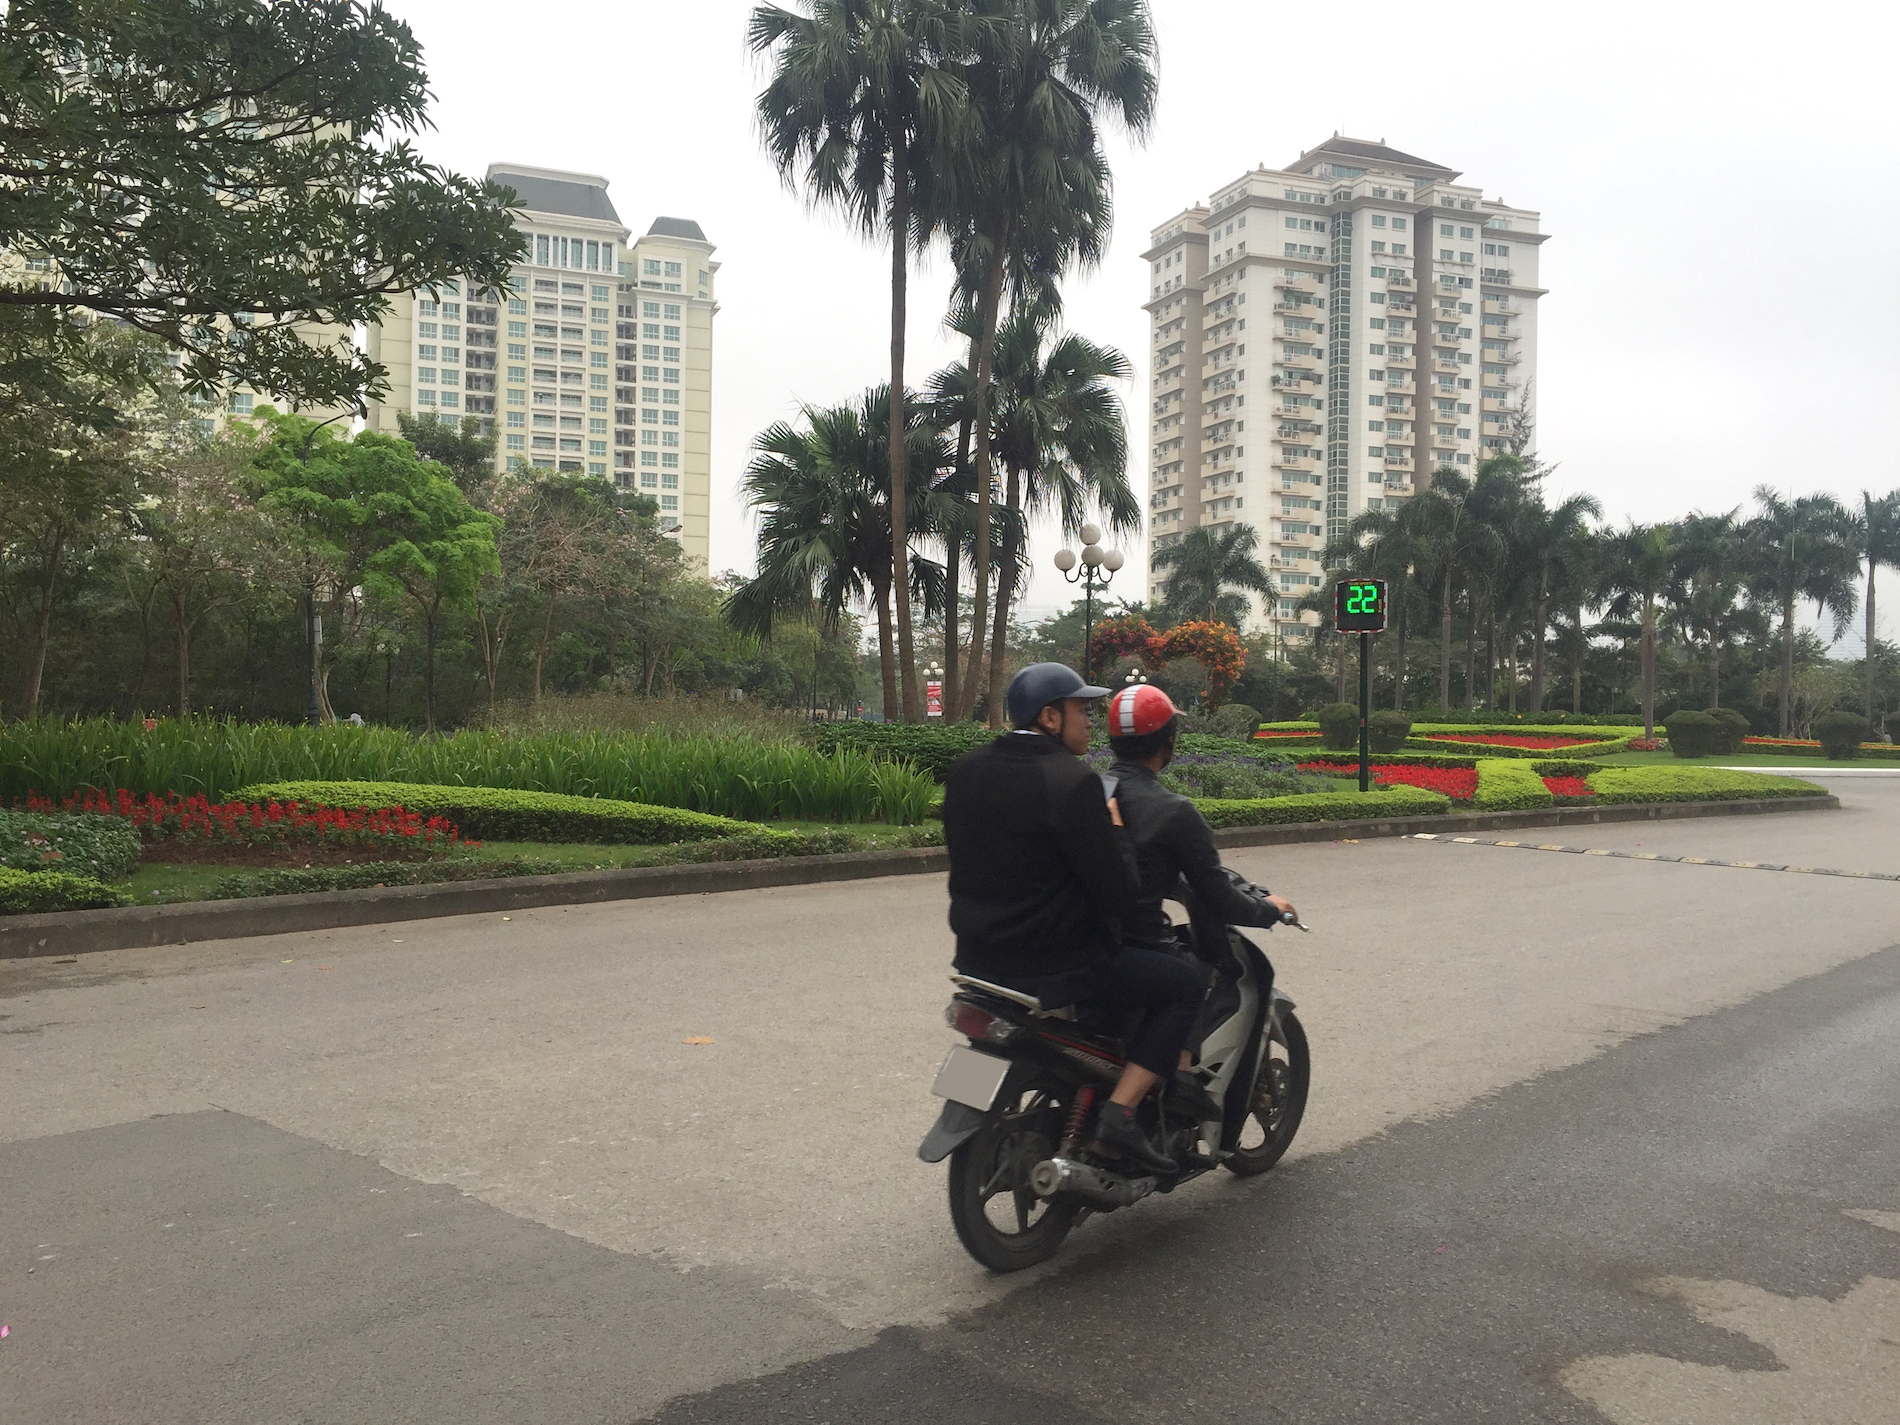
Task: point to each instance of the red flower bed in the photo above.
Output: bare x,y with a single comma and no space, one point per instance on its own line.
1645,744
1458,783
1263,733
1568,787
198,819
1510,739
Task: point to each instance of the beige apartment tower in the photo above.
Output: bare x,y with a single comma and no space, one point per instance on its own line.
597,360
1393,315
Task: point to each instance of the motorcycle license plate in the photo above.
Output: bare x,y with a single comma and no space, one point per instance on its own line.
970,1077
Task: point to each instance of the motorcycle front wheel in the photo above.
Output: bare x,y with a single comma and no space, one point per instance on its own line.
999,1218
1279,1102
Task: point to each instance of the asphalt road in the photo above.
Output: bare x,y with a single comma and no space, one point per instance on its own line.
1589,1139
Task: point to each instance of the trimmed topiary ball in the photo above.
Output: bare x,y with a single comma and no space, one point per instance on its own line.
1339,727
1841,734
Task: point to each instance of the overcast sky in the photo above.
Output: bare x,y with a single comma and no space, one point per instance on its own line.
1719,183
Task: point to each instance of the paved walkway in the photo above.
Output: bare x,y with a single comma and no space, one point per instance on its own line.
483,1169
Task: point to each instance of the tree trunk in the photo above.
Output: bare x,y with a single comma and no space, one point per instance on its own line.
987,303
1471,650
430,617
1715,666
1869,656
541,650
1576,670
952,576
900,529
1005,572
1398,681
1649,670
42,628
1540,629
1339,668
1490,658
1444,648
1513,708
881,590
183,626
1786,700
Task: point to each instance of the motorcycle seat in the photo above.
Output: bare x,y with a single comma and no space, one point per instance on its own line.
970,983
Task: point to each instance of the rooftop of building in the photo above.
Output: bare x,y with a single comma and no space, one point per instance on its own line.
1369,152
676,228
550,190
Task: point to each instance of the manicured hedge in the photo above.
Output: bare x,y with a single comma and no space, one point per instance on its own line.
498,814
1603,747
79,843
1693,784
1325,806
34,892
928,748
1348,762
1506,784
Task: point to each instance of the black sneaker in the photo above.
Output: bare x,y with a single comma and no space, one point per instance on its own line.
1117,1135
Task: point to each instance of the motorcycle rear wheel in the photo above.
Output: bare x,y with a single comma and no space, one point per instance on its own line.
1279,1102
999,1218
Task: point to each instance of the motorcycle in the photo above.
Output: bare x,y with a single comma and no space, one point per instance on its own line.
1020,1096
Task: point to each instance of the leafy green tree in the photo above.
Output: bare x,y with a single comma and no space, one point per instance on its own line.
1205,564
1642,562
441,549
222,173
860,106
1029,192
468,455
1800,549
1709,579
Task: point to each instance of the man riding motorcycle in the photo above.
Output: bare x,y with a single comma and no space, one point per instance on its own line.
1172,839
1043,873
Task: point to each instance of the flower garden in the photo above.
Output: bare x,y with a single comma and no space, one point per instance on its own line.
107,814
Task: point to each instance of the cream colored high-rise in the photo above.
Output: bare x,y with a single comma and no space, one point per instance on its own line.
1393,315
559,365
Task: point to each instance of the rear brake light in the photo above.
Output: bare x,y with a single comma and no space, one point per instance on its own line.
977,1023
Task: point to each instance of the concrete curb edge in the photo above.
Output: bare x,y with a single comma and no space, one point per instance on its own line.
133,927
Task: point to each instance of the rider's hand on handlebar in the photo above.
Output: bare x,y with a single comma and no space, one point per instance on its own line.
1283,905
1115,811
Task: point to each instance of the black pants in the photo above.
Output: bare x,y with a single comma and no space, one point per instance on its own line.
1170,990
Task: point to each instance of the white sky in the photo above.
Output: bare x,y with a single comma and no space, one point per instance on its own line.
1719,182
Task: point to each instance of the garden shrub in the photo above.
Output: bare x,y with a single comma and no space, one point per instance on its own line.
1325,806
498,814
1840,734
1505,784
927,747
79,843
1691,733
1386,731
1225,775
1730,729
36,892
1693,784
1338,727
1235,720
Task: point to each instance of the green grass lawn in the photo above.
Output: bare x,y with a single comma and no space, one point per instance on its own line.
1737,759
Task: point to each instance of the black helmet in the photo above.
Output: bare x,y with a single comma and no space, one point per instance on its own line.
1041,684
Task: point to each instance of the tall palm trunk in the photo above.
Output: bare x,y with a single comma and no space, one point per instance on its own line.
952,576
881,590
900,475
1471,650
1005,577
1649,669
1398,680
1540,629
1513,674
1786,699
1715,665
1444,648
987,302
1576,669
1490,658
1869,658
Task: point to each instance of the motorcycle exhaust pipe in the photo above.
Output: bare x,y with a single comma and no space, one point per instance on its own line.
1092,1185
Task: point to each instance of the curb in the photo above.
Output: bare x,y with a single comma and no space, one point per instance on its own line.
79,932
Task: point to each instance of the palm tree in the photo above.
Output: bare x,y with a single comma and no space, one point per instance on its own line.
1058,428
1453,539
1877,533
825,492
1639,572
1800,549
863,103
1207,563
1389,545
1549,539
1031,197
1709,581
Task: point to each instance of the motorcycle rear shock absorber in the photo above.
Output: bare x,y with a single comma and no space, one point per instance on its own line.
1078,1119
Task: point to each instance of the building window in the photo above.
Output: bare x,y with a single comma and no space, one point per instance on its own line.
648,480
596,403
649,309
516,398
649,373
426,374
669,353
672,398
516,351
648,457
450,399
672,333
672,269
596,447
425,398
651,268
517,442
673,374
672,311
518,373
670,462
672,418
515,418
649,417
670,437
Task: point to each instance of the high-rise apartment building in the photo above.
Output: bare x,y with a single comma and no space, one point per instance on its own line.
1393,315
597,360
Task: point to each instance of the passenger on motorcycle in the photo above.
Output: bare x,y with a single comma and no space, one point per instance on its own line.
1172,839
1042,875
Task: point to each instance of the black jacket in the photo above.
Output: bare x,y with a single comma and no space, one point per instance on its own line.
1172,840
1040,876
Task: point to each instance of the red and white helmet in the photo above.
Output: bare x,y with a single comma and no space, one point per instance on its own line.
1139,710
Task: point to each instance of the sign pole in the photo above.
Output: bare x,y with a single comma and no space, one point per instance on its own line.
1365,701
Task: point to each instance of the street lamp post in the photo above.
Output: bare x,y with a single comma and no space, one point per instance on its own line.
1097,568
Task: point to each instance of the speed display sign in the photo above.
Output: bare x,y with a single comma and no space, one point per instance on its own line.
1359,606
